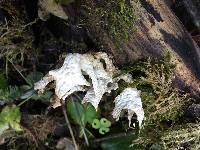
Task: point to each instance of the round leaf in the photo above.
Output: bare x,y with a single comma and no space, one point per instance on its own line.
103,130
105,122
96,124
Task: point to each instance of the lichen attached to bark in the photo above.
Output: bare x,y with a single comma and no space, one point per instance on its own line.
72,77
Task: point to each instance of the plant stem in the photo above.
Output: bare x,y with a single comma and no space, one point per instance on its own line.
24,101
6,68
19,72
68,124
85,136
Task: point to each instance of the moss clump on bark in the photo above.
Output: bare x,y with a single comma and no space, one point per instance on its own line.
161,101
163,104
121,19
117,17
183,136
16,36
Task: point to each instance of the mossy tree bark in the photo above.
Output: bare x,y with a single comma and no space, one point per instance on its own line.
156,32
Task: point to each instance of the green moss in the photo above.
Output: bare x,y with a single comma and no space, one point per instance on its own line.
163,104
116,16
178,135
16,35
121,20
161,101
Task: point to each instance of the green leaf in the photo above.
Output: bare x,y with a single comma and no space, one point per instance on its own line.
34,77
11,93
16,126
103,130
87,132
11,113
96,124
90,114
24,88
76,112
81,114
27,94
43,96
103,125
12,116
105,122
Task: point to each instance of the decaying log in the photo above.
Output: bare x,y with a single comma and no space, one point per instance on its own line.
157,32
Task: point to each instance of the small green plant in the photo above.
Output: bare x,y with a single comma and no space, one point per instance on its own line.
9,94
103,125
25,92
10,116
29,93
82,115
86,116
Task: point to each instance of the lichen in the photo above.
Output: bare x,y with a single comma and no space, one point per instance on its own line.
71,77
129,99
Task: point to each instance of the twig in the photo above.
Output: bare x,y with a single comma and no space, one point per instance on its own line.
19,72
120,135
25,101
68,124
6,28
30,23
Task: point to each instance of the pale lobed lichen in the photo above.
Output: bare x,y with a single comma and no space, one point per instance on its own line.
92,66
71,77
129,99
68,78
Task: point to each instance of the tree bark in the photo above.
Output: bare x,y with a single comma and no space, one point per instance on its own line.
157,32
